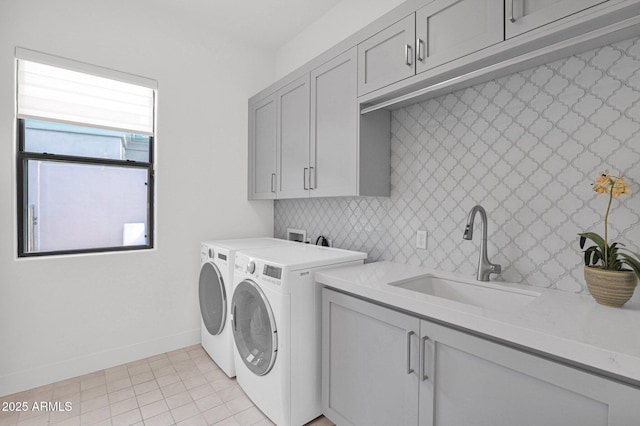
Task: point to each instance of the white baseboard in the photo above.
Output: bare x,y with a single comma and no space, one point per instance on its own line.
51,373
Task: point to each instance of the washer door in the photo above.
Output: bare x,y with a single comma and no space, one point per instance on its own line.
213,298
254,328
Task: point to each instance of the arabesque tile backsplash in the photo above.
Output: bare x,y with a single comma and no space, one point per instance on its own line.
527,148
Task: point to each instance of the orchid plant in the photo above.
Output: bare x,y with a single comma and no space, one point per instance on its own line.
614,256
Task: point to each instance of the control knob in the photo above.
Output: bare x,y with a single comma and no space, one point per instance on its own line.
251,267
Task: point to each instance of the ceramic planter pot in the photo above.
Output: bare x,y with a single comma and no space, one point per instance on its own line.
610,288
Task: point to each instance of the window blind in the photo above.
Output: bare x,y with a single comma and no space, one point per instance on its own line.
58,94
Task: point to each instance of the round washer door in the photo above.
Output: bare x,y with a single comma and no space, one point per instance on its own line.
213,298
254,328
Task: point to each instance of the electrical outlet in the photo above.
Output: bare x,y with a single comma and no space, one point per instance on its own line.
421,239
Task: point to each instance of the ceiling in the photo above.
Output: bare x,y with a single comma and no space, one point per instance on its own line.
268,23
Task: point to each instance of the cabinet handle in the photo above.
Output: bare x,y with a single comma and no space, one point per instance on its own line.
424,376
407,54
409,369
273,182
419,44
312,178
512,18
304,178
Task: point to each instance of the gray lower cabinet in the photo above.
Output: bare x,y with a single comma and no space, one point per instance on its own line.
449,29
525,15
382,367
369,363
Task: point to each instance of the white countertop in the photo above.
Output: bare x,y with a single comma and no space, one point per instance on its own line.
561,324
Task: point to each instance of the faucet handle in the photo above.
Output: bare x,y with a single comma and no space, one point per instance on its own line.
496,269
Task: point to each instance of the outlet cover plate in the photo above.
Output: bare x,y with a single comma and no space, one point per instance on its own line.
421,239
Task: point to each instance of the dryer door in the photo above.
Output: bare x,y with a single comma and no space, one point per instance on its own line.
254,328
213,298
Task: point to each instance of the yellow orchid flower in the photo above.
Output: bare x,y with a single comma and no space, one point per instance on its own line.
608,184
620,187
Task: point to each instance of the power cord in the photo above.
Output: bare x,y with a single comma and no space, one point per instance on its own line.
323,241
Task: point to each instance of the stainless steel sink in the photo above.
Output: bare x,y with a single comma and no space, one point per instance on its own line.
483,295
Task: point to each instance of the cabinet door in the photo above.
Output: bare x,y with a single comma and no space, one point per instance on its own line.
293,139
334,112
449,29
525,15
369,363
387,57
478,382
262,149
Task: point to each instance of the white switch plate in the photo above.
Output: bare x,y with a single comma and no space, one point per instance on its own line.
421,239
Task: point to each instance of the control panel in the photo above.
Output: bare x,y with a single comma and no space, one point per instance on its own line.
272,271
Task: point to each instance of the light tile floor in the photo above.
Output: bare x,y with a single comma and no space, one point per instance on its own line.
183,387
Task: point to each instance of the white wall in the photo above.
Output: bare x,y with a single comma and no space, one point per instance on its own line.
65,316
343,20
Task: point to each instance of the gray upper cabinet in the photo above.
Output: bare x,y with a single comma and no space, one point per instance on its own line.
439,32
279,143
525,15
308,139
324,130
387,57
293,140
334,126
449,29
262,148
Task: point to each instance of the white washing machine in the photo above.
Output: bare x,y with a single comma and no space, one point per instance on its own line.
215,290
276,321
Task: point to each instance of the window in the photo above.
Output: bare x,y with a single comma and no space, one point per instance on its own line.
85,157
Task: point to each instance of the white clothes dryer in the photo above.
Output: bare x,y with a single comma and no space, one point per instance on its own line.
215,290
276,321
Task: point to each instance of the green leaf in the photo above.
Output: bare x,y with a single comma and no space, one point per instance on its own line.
633,263
595,238
592,255
582,241
632,252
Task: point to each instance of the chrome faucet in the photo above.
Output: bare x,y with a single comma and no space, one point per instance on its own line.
485,268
